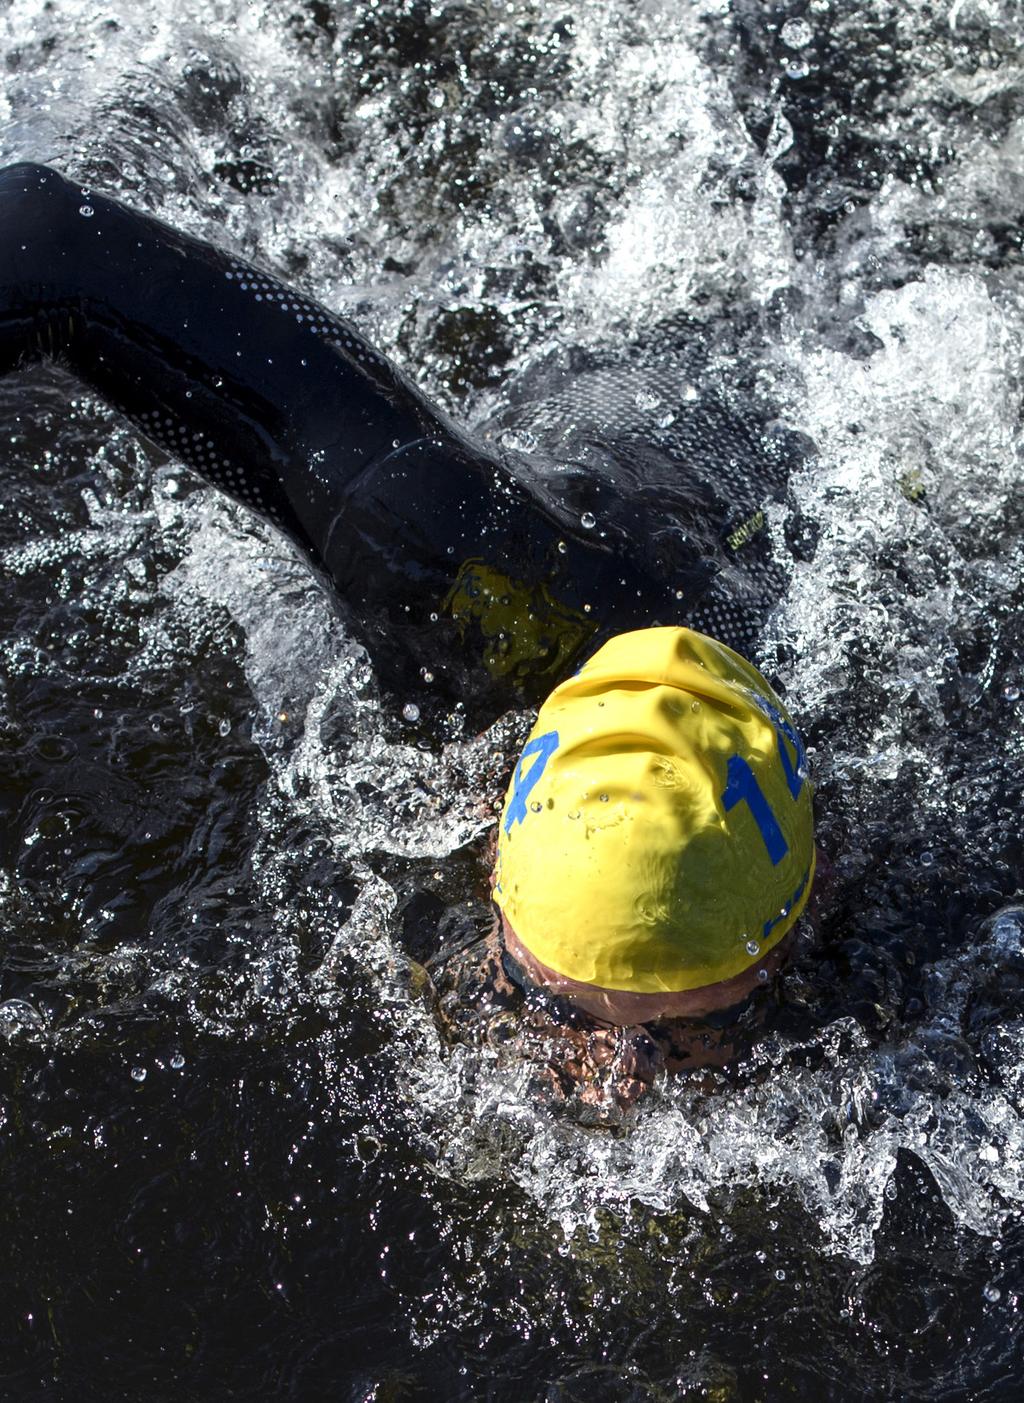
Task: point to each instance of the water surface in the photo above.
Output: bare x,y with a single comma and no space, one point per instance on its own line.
240,1159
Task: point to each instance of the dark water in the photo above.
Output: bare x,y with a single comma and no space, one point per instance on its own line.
239,1159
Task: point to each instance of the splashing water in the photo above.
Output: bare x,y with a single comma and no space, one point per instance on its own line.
226,860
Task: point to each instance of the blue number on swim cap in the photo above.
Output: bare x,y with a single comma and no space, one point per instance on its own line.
794,778
543,747
744,788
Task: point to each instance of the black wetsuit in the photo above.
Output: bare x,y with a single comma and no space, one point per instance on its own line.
448,552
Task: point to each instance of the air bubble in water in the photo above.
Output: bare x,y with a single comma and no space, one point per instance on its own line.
177,1062
647,908
927,859
138,1074
86,211
588,521
225,727
411,712
796,34
797,69
992,1293
752,947
1011,692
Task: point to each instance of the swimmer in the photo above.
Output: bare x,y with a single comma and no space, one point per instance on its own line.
654,854
655,847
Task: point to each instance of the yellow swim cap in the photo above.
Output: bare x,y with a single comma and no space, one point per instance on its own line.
657,835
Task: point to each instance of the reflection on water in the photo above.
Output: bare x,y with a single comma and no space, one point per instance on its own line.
240,1150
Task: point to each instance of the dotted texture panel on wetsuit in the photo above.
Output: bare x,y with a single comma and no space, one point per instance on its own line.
701,466
198,450
264,288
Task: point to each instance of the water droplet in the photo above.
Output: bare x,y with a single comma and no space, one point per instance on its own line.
690,393
518,440
138,1074
796,70
86,211
646,400
411,712
437,98
603,798
752,948
695,706
762,975
427,676
177,1061
646,907
796,34
780,1275
992,1293
536,806
562,548
1011,692
588,521
891,1190
679,594
19,1011
225,727
666,420
573,813
927,859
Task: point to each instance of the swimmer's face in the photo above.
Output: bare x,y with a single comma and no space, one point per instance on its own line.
625,1008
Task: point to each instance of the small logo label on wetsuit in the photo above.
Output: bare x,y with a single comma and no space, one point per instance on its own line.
746,530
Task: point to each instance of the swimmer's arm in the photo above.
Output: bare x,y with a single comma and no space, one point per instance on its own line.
286,408
263,392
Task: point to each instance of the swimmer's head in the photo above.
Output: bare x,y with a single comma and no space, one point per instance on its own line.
656,844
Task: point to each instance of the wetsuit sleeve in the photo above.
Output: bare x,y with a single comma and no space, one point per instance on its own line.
448,560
